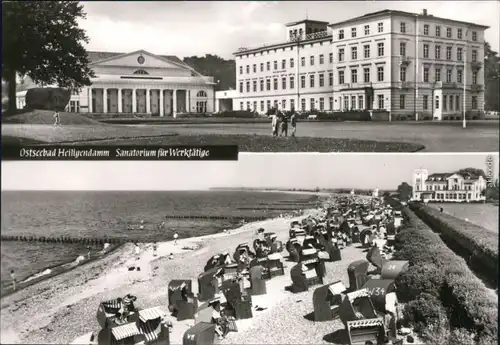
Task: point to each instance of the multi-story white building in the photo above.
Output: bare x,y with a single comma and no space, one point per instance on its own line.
406,63
449,187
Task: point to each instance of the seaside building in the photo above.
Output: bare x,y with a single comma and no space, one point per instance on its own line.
407,63
142,83
449,187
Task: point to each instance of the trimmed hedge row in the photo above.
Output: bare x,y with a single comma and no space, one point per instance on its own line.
478,241
439,273
246,114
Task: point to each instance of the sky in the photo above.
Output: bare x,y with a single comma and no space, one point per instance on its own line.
187,28
363,171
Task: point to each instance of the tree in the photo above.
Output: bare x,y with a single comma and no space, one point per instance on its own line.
472,171
492,78
405,191
42,40
223,71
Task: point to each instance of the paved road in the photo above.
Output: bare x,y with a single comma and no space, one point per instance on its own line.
445,137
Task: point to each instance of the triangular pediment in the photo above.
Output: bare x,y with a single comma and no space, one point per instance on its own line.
139,59
455,176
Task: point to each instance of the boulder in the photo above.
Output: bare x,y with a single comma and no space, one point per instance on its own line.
47,98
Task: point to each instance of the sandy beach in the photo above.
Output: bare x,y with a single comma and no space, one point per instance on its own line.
63,309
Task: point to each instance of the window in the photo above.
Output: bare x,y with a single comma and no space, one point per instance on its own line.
241,106
380,49
330,101
437,102
451,102
248,86
445,102
255,86
474,55
457,102
438,31
459,76
402,27
381,101
311,103
283,64
354,53
474,102
283,104
262,67
366,50
438,52
426,51
474,77
402,48
353,32
302,61
241,69
275,104
321,59
321,80
74,106
292,82
425,102
402,73
459,33
254,67
262,85
354,76
380,73
330,58
367,30
261,106
426,29
361,102
302,81
341,54
241,87
303,104
401,101
341,34
268,104
248,105
248,69
474,36
292,63
275,64
311,60
380,27
448,32
292,104
459,54
275,83
341,77
283,83
321,104
448,75
437,74
448,53
311,80
254,105
366,74
268,65
330,79
346,102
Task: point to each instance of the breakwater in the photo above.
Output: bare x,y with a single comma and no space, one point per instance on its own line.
228,218
62,239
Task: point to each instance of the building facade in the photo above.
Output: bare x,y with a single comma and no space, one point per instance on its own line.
448,187
406,63
143,83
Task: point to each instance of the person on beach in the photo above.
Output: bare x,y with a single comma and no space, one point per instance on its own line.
88,252
56,118
137,251
171,256
155,249
106,246
293,122
13,278
176,236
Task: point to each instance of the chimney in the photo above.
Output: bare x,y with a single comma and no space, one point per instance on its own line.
424,12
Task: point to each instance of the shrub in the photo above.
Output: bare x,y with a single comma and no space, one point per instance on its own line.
47,98
426,279
461,336
247,114
425,310
437,333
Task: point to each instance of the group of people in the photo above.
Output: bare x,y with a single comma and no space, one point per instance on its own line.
280,122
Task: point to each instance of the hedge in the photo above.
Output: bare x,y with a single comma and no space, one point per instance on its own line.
479,242
437,271
237,114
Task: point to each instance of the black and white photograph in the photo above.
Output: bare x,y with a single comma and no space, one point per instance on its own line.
269,249
276,76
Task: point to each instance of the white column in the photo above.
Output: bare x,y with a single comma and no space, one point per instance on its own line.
187,102
148,101
120,110
174,109
162,107
90,100
104,100
134,101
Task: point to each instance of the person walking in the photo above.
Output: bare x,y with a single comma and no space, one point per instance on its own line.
155,248
284,125
137,251
176,236
274,123
56,118
293,122
13,278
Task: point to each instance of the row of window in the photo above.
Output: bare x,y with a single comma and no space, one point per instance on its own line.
283,104
455,196
402,29
445,187
290,82
449,51
291,63
448,101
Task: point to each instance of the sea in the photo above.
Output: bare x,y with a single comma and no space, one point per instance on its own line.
485,215
137,216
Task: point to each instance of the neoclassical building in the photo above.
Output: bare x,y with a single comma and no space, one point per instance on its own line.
143,83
